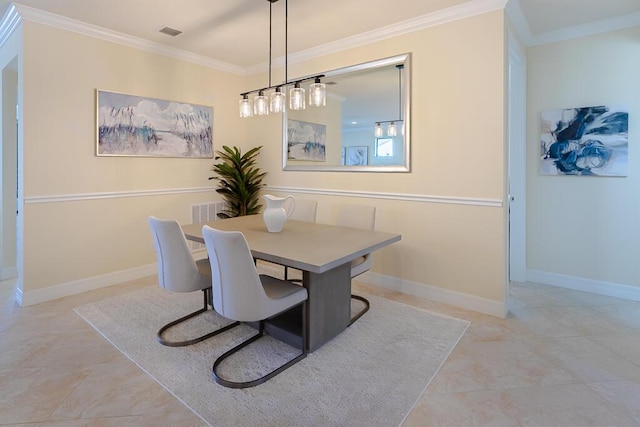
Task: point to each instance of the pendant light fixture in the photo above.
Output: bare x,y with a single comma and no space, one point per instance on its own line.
276,102
317,93
260,104
392,128
296,97
378,131
246,106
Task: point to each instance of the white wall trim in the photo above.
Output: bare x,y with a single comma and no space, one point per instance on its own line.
454,13
445,296
83,285
68,24
519,21
9,23
439,17
603,26
114,195
609,289
433,293
494,203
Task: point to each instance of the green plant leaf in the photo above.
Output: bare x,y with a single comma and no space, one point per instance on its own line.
239,180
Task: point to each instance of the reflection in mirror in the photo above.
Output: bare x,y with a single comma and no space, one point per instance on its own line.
355,130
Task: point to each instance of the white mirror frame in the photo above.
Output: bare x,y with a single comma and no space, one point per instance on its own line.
406,110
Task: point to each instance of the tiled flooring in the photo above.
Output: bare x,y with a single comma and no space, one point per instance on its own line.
561,358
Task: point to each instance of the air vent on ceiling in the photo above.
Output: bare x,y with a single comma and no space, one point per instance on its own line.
170,31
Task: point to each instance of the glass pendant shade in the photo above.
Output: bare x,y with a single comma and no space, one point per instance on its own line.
317,94
260,104
246,107
392,130
296,98
277,101
378,130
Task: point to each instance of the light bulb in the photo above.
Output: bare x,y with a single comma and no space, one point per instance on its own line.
277,101
392,130
246,107
260,105
317,94
296,98
378,130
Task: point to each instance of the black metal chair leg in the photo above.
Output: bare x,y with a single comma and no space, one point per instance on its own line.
162,330
260,334
361,312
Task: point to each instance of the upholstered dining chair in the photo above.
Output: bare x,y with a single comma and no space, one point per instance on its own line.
179,272
306,210
362,217
240,294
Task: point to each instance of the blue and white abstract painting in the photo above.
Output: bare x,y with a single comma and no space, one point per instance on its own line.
306,141
131,125
584,141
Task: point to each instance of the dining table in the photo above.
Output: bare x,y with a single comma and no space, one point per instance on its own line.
323,252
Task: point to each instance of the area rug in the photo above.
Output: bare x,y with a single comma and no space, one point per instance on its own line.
370,375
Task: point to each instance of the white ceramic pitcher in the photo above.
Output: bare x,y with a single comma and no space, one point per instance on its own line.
277,211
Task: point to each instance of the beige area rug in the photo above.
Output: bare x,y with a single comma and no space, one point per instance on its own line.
370,375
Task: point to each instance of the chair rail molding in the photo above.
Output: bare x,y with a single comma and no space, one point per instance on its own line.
114,195
425,198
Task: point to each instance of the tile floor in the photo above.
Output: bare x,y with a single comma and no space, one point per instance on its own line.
561,358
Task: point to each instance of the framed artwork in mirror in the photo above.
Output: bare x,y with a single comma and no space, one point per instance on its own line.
357,156
306,141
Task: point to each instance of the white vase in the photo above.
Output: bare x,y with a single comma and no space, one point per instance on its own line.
277,211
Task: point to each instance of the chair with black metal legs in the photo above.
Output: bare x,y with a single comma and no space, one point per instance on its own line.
363,217
179,272
239,293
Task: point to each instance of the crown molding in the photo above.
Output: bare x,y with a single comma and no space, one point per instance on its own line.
9,23
454,13
519,20
41,17
602,26
18,13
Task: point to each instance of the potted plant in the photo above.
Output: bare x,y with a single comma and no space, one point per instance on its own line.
240,181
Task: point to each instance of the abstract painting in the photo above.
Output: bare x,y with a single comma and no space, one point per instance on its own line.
129,125
306,141
357,156
589,141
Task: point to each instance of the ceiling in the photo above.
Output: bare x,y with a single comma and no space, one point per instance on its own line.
236,32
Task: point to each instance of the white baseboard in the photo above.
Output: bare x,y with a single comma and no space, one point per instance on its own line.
445,296
609,289
83,285
8,273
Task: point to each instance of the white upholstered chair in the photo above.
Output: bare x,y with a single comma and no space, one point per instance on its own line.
362,217
240,294
179,272
305,210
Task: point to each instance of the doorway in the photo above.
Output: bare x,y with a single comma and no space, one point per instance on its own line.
9,172
517,164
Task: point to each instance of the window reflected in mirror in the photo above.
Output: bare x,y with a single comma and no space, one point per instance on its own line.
364,125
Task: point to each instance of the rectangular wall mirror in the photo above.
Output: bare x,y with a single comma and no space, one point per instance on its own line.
364,127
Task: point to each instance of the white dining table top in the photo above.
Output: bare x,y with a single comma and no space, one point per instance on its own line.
303,245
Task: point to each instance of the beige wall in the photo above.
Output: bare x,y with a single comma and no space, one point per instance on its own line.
458,123
458,146
71,240
584,227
